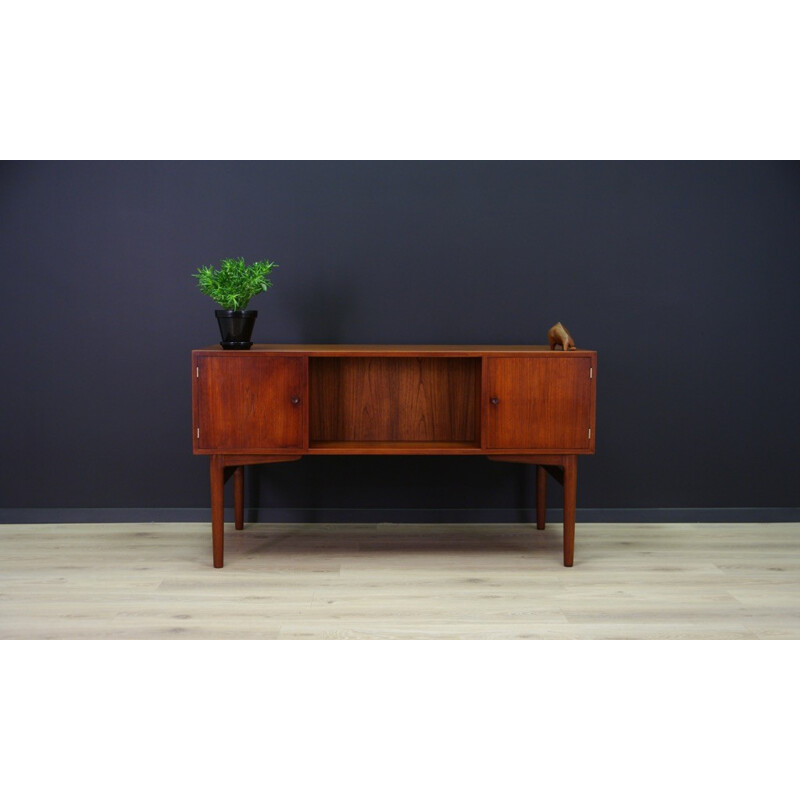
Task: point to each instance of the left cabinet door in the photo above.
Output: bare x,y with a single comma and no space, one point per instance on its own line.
249,402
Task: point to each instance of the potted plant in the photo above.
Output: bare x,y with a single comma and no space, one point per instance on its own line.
233,284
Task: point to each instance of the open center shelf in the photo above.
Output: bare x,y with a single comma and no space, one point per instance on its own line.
394,403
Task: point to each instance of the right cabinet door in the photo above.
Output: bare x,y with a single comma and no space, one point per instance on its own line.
539,403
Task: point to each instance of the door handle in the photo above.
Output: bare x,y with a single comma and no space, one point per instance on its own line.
295,400
494,400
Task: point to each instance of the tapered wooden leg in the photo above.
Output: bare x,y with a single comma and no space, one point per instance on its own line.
217,508
238,497
570,497
564,469
541,497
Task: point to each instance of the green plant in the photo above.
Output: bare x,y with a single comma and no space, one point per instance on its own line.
234,283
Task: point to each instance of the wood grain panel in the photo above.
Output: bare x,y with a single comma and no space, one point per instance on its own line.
393,400
246,402
538,403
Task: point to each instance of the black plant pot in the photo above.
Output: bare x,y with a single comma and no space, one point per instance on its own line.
236,328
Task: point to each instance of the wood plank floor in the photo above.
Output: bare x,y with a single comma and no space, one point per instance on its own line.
362,581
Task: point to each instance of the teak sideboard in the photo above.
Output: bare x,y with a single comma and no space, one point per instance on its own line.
274,403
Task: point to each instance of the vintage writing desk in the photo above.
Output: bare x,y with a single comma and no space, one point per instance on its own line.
275,403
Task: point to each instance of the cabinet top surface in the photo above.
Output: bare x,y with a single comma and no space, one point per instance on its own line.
397,349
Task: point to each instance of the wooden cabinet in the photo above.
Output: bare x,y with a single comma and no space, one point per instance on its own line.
277,403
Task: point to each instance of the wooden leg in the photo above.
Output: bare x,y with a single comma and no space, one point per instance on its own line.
217,508
570,497
541,496
238,497
564,469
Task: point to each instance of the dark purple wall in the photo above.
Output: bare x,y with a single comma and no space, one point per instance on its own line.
683,276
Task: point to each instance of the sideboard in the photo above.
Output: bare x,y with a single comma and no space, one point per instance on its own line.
274,403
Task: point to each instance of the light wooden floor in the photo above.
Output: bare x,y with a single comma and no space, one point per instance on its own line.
361,581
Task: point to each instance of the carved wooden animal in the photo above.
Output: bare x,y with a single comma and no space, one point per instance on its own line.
558,334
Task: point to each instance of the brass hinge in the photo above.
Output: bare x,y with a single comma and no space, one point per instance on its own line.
591,372
198,433
197,371
590,432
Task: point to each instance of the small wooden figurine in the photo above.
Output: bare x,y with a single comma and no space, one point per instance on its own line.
558,334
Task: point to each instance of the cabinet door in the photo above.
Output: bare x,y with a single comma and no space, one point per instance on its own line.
538,403
249,402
